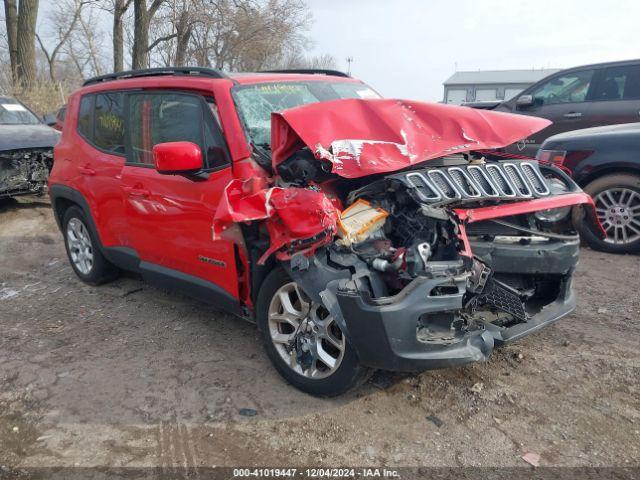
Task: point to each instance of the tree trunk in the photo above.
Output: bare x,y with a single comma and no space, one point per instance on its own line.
11,21
183,34
140,35
26,42
118,36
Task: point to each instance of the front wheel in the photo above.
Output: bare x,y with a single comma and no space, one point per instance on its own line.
617,200
304,341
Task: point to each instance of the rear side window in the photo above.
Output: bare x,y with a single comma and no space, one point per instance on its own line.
101,121
173,117
108,131
85,117
620,83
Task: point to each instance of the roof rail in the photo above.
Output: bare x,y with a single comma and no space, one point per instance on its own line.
312,71
150,72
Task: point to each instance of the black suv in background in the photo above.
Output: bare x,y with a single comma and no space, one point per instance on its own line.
605,162
577,98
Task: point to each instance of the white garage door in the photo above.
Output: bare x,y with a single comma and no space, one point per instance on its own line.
456,97
509,93
485,94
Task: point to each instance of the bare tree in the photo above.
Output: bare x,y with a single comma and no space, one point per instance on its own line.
248,34
25,40
118,8
142,20
64,20
88,36
299,60
11,22
183,27
227,34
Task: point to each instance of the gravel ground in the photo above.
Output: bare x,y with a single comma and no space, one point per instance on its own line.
129,375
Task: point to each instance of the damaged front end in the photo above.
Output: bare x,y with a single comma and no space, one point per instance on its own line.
422,264
442,268
24,171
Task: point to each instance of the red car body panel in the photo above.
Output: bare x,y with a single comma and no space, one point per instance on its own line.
365,137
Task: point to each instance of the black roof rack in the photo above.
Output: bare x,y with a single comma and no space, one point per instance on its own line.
313,71
150,72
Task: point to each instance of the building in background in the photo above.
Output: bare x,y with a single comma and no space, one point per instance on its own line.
490,85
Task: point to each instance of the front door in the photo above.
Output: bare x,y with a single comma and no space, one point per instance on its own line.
563,99
170,216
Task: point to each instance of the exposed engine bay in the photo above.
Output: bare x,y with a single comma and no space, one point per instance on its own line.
24,171
404,226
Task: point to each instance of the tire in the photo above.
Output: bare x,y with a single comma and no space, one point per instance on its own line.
83,249
613,192
348,373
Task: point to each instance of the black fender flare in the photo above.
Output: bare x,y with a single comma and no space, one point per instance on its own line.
58,192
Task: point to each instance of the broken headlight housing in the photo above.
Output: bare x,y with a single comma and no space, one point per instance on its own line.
552,215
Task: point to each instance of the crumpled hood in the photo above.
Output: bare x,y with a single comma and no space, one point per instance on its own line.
15,137
365,137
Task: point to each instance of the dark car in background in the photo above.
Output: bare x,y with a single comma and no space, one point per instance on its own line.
56,119
577,98
605,162
26,150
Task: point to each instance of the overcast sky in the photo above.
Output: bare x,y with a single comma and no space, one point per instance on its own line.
407,48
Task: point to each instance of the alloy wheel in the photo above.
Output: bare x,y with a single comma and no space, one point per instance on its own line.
80,246
618,210
304,334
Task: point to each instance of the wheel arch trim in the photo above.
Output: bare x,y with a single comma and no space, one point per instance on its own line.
61,193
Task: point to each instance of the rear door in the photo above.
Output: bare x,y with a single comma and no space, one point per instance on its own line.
616,96
565,99
170,216
99,157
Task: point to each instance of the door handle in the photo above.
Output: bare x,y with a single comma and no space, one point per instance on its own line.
572,115
87,171
137,192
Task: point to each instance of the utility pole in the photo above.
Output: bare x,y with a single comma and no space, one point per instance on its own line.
349,62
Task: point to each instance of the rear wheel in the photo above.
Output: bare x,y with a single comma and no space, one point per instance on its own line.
84,254
304,341
617,200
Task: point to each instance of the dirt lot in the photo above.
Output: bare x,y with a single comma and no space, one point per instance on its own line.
128,375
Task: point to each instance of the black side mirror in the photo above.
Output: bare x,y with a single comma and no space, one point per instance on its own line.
524,101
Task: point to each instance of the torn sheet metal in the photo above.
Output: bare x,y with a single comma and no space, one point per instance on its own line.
365,137
471,215
300,219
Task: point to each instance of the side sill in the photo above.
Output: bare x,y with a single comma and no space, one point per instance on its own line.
195,287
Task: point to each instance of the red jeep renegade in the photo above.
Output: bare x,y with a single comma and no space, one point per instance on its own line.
358,232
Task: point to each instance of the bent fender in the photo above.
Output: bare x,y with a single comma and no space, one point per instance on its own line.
301,218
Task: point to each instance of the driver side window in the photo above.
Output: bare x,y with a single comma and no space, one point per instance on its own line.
569,88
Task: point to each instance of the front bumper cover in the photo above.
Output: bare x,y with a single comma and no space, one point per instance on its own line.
384,335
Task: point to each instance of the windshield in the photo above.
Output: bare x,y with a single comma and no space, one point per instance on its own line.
256,103
14,113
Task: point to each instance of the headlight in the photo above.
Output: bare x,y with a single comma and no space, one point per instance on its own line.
552,215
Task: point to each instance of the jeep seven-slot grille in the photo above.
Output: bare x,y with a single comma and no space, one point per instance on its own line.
507,180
